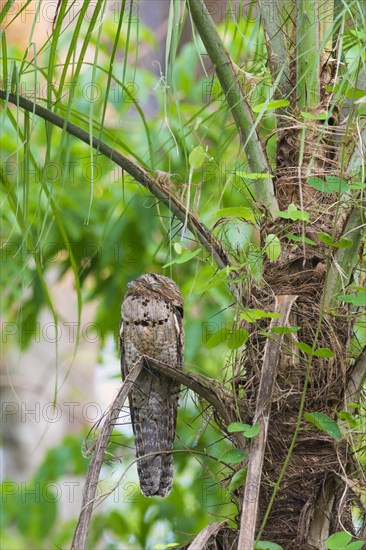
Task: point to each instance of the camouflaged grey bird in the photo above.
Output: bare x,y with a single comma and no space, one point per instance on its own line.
152,314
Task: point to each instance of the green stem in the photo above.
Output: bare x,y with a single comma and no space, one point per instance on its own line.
307,51
226,73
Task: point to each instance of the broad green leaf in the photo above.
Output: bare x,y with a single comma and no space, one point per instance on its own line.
276,104
300,239
343,243
252,315
310,116
358,299
238,479
252,431
324,423
272,247
338,540
237,427
356,545
355,93
234,457
338,184
284,330
246,429
304,348
323,352
252,175
347,417
185,256
236,212
320,185
327,239
332,184
293,213
218,338
196,157
237,338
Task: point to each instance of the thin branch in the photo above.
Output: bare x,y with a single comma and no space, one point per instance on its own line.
203,538
272,354
155,185
80,538
227,75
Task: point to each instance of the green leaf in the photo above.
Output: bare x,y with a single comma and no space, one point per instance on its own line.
323,352
185,256
237,338
358,185
276,104
300,239
338,541
237,427
355,93
320,185
358,299
293,213
332,184
219,337
238,479
252,431
310,116
304,348
196,157
327,239
236,212
343,243
356,545
234,457
247,430
252,175
284,330
272,247
338,184
324,423
347,417
252,315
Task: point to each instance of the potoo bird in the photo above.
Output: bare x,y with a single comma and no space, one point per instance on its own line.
152,313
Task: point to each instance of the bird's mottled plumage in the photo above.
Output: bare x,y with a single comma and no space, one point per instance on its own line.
152,313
